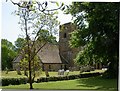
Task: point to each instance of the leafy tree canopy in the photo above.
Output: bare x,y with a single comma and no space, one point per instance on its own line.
19,43
8,53
97,31
8,44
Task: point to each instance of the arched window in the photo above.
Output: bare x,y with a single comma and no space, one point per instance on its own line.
65,35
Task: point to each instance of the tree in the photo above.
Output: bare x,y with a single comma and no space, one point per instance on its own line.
35,19
35,66
8,53
98,32
19,43
8,44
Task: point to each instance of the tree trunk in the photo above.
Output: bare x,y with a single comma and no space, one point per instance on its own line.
29,55
30,75
112,71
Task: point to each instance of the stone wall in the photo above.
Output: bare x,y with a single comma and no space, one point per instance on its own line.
64,36
52,67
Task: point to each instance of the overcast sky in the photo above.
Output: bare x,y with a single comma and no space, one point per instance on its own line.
10,27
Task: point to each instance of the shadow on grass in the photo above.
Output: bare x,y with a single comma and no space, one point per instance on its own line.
99,83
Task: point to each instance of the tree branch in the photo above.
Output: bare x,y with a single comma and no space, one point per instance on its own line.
18,4
37,35
38,51
55,9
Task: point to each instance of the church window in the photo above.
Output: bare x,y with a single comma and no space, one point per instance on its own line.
65,35
49,66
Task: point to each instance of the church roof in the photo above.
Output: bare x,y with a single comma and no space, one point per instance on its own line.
18,58
49,54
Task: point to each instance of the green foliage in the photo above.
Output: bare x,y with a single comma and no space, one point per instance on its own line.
39,22
12,74
69,77
35,65
13,81
24,63
97,32
19,43
8,44
45,36
57,3
8,53
91,83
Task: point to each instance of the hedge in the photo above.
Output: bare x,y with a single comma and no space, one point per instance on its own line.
70,77
18,81
13,81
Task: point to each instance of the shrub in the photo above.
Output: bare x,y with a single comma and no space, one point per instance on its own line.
70,77
89,75
13,81
5,82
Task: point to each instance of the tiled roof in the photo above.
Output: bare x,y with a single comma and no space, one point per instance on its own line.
50,54
18,58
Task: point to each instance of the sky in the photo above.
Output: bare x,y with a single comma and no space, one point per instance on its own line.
10,28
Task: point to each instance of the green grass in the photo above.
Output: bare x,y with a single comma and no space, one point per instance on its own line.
13,74
93,83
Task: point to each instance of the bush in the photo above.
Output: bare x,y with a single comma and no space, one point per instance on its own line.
70,77
13,81
90,75
5,82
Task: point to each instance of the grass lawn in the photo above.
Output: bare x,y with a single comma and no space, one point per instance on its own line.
93,83
13,74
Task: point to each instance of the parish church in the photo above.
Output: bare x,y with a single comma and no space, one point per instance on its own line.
57,56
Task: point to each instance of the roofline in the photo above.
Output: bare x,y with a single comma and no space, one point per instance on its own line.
66,23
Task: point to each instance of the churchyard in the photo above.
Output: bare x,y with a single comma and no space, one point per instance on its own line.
90,83
13,74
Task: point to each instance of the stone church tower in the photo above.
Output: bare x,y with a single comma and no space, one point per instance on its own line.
67,54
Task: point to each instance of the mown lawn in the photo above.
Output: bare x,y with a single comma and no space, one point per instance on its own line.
13,74
91,83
